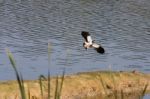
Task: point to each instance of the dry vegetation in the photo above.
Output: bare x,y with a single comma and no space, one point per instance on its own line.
83,85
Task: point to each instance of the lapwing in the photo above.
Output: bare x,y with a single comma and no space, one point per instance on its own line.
89,43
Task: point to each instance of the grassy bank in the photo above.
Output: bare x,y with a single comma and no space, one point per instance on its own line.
83,85
87,85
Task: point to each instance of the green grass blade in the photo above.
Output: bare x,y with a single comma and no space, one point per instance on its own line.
49,85
144,91
29,94
61,84
22,87
49,52
56,89
11,58
19,79
41,77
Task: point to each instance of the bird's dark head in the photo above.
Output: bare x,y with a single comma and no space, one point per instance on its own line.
84,33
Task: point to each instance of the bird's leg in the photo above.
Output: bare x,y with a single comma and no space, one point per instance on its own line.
85,48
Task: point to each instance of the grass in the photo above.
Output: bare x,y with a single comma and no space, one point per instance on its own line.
49,54
115,93
143,92
20,81
59,82
18,76
103,84
59,86
41,85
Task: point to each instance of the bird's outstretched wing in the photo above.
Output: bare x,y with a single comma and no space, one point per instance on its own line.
91,43
98,48
87,37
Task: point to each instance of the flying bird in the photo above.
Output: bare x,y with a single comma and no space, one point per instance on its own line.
89,43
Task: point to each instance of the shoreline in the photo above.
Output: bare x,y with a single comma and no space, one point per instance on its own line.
84,84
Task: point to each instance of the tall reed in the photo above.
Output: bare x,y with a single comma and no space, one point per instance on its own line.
59,85
49,79
18,76
41,78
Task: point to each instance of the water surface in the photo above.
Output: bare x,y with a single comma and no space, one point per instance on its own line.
122,27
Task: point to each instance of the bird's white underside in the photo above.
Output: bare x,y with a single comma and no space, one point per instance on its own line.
90,43
89,39
87,45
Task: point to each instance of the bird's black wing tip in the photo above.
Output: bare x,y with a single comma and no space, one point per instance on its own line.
100,50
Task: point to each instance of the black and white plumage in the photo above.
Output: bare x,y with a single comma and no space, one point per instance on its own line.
89,43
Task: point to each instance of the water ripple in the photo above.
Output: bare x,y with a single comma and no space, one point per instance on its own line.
121,27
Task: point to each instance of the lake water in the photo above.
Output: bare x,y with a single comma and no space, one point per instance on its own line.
122,27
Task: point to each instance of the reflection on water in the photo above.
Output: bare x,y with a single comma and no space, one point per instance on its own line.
121,26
